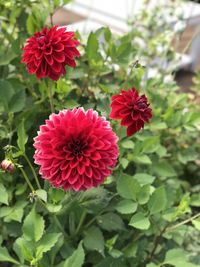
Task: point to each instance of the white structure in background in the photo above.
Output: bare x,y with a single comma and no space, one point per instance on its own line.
116,13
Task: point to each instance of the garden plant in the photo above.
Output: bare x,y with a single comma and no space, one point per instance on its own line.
99,146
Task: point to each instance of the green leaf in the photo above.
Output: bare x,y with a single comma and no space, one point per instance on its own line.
164,169
53,208
95,199
158,200
127,144
77,258
46,243
139,221
92,46
143,159
22,136
126,206
24,249
178,258
33,226
3,195
14,213
127,187
5,59
143,195
30,24
154,126
17,102
196,223
6,93
110,222
144,178
124,162
5,256
94,239
42,194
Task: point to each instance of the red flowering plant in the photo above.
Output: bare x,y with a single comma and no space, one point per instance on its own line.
101,164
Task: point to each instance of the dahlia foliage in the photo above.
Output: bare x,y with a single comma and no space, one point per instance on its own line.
133,110
48,52
76,149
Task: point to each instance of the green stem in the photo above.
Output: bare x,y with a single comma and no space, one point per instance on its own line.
33,171
183,222
55,219
27,179
83,215
50,93
60,226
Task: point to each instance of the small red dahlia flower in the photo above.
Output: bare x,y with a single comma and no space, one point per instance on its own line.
132,109
76,149
48,51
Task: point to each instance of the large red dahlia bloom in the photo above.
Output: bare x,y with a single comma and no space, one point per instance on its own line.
76,149
48,51
132,109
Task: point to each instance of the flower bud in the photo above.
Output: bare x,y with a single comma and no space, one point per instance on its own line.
7,165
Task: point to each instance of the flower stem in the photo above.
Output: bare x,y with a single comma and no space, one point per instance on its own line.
60,226
50,93
33,171
27,179
183,222
83,215
55,219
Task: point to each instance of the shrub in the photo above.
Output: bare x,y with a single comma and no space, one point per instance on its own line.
146,212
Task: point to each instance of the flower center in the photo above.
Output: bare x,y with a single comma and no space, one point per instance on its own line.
77,147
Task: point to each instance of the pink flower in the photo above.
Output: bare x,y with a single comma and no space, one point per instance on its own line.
76,149
49,51
132,109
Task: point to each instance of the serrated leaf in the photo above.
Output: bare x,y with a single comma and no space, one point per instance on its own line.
158,200
110,222
94,239
22,136
127,187
5,256
33,226
77,258
140,221
24,249
3,195
46,243
126,206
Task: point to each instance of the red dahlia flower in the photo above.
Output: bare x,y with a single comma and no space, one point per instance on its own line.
48,51
76,149
132,109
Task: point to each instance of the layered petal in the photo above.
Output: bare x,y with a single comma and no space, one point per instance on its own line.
133,110
48,52
76,149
